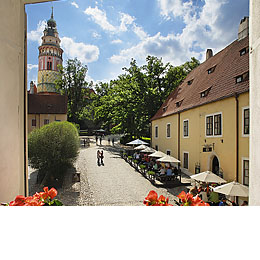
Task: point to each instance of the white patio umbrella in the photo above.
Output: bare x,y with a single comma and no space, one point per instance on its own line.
148,150
157,154
233,189
136,142
207,176
168,159
140,147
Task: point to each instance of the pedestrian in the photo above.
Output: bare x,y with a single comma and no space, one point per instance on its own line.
113,141
96,139
98,157
84,142
100,140
108,141
102,157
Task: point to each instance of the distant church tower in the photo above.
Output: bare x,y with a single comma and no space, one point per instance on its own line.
50,55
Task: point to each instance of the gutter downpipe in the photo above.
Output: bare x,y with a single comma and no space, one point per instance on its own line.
179,144
237,139
237,136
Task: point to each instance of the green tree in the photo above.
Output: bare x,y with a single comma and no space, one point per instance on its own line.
129,102
72,83
53,148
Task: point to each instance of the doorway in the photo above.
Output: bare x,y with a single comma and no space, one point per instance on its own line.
215,165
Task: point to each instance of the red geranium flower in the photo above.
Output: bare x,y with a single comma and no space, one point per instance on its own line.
151,199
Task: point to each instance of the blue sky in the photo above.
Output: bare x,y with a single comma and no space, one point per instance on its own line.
106,34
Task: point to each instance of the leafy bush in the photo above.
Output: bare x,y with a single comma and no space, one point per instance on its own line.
53,148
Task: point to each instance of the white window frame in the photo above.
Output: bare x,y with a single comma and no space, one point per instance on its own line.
46,119
156,137
168,150
243,109
183,152
214,114
168,137
183,128
242,167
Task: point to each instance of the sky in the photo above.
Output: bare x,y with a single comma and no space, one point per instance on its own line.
106,34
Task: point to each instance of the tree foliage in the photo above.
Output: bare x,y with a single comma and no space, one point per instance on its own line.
54,147
128,103
71,82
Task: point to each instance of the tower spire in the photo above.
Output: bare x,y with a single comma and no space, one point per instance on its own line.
52,12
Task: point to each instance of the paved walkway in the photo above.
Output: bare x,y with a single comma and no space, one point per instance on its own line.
114,184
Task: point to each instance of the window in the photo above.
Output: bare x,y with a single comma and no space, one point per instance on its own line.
214,125
46,121
246,172
244,51
49,65
33,122
185,128
156,131
185,160
168,152
205,92
211,70
217,124
190,82
168,130
164,108
243,77
209,125
245,121
178,103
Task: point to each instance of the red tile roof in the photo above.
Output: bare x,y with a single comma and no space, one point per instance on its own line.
47,104
229,64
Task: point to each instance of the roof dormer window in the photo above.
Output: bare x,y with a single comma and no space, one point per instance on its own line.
178,103
242,77
204,93
164,108
211,70
244,51
190,81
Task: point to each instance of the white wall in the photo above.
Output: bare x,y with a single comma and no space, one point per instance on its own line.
254,100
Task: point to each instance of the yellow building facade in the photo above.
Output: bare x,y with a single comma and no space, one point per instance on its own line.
205,120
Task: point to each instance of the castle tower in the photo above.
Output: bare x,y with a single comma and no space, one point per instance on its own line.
50,55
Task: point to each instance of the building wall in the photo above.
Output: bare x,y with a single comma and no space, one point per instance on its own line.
254,64
13,84
40,119
224,145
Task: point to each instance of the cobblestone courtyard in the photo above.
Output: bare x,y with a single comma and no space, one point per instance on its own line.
114,184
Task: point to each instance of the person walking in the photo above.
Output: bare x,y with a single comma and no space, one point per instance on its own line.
100,140
108,141
113,141
98,157
102,157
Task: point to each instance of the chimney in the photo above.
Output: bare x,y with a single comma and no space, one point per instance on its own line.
31,87
243,30
209,53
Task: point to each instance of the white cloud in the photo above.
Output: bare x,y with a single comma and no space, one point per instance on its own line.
125,19
36,35
75,4
96,35
84,52
32,66
117,41
206,26
100,18
139,32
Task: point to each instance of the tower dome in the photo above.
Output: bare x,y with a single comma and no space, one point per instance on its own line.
50,56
